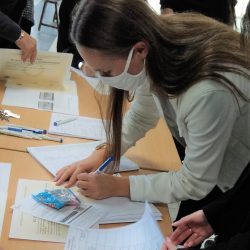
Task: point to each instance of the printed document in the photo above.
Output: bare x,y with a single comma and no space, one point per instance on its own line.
120,209
55,157
82,127
50,70
25,226
5,169
64,101
142,235
84,215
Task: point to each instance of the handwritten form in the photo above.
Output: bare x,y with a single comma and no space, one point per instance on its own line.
142,235
5,169
49,70
55,157
82,127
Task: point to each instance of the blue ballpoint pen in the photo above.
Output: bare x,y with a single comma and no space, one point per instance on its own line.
104,165
34,130
16,129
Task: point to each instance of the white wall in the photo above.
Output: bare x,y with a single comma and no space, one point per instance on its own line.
155,4
240,11
241,7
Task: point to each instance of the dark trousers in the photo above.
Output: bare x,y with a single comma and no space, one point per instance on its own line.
190,206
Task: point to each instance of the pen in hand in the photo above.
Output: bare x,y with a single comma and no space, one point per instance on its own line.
104,165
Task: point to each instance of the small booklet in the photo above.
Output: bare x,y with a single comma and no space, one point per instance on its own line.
77,126
55,157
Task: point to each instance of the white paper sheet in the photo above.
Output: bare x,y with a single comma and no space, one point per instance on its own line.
120,209
44,99
55,157
143,235
50,69
5,169
82,127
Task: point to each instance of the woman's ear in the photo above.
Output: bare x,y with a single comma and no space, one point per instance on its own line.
141,49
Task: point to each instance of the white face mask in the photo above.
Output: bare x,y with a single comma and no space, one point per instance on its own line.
125,80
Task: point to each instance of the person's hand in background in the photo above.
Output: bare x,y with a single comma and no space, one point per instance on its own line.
193,229
168,245
28,47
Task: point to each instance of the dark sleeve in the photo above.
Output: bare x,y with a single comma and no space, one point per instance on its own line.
227,214
238,242
169,4
64,43
219,10
9,30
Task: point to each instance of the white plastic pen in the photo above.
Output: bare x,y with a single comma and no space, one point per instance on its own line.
13,133
60,122
32,135
46,137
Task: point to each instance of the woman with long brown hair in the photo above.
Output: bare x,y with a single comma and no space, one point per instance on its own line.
228,217
187,67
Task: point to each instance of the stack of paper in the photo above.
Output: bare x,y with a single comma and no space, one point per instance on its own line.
120,209
143,235
55,157
82,127
27,222
110,210
26,226
43,85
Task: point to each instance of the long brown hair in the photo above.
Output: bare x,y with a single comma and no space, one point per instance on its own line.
183,49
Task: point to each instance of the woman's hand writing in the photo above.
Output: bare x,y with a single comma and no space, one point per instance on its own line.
70,172
101,186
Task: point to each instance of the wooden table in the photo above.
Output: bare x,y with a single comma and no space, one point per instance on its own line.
25,167
157,141
156,151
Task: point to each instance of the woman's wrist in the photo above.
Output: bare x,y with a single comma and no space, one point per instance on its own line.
121,186
103,150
